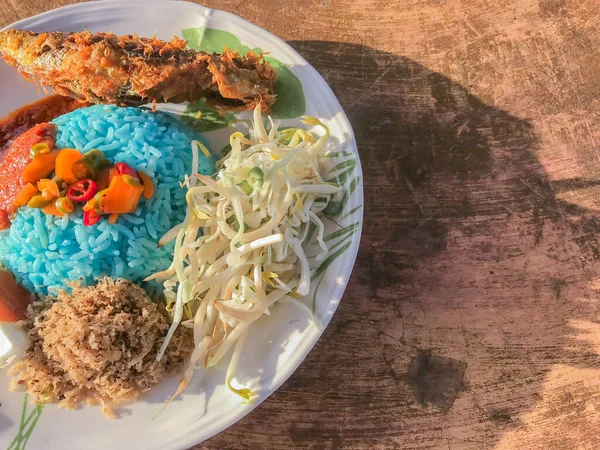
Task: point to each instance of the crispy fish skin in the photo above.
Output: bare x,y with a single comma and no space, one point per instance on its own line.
131,70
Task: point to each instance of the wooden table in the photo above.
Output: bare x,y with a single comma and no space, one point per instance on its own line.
472,320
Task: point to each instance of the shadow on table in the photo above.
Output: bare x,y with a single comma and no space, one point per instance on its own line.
468,287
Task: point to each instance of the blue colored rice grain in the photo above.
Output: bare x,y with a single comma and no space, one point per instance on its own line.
132,219
93,143
45,253
77,143
109,147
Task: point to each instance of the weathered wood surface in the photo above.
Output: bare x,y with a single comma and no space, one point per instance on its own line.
472,319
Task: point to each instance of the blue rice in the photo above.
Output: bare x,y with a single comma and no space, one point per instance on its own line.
46,252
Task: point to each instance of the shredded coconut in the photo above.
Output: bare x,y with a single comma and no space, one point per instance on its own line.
97,344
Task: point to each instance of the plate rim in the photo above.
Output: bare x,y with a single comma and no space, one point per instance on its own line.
196,435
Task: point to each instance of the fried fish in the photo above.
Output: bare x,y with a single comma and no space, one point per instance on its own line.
131,70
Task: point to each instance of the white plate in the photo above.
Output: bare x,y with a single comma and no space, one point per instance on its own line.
278,344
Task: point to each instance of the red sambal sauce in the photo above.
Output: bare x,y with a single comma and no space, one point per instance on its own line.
19,131
13,161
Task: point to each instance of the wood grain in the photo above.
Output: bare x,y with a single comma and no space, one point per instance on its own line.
472,320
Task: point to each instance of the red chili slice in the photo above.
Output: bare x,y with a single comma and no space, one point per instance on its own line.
125,169
91,217
82,191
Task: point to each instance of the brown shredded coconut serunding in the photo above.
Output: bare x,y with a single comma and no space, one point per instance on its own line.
97,344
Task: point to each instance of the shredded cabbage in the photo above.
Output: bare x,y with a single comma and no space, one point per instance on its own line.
240,249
